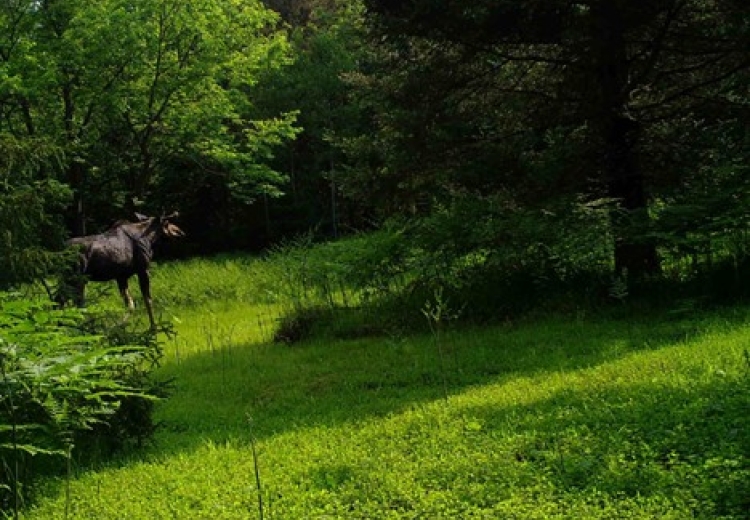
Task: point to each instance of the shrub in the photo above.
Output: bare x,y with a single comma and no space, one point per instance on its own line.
67,382
488,260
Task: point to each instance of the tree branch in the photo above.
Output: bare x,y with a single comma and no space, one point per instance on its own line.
657,44
745,65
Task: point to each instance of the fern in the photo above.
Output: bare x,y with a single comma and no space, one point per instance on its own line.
62,381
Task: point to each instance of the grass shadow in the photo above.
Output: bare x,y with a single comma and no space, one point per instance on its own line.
568,419
326,383
641,444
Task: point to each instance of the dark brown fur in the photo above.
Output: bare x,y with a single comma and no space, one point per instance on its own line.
124,250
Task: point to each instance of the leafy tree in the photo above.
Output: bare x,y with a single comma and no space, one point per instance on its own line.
127,89
28,205
326,39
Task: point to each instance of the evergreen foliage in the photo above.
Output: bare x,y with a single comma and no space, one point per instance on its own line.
543,100
260,123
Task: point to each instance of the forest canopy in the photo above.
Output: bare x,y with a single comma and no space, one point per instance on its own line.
545,139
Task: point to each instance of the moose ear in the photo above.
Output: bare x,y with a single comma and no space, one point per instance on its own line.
141,217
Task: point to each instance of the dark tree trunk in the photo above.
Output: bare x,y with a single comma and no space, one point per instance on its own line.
633,254
76,169
618,138
78,216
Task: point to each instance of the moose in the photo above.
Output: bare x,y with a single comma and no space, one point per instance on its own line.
124,250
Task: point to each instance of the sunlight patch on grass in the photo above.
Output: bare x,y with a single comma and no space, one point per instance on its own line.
219,327
558,420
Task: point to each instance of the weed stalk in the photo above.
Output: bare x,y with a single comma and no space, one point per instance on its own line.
256,467
15,487
68,476
436,312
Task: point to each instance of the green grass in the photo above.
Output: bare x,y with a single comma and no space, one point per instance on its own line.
553,418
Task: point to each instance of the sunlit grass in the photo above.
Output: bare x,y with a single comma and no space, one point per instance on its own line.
220,327
554,418
563,420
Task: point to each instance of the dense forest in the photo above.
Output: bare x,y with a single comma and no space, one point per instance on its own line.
542,139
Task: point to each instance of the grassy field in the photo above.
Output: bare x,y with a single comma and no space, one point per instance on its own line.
561,417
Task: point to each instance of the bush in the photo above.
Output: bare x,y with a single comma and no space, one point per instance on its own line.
487,260
66,381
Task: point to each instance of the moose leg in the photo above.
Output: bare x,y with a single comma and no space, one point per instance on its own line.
122,284
80,293
78,282
145,283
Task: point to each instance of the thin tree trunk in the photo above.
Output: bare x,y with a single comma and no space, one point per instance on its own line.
633,254
78,217
76,171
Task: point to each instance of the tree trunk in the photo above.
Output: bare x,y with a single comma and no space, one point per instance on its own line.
76,171
633,254
618,137
78,213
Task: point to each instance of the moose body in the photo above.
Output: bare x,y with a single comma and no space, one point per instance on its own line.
126,249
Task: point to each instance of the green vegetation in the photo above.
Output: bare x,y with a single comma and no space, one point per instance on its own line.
506,259
575,416
69,379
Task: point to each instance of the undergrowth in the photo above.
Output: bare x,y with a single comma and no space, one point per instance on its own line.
396,402
73,389
563,419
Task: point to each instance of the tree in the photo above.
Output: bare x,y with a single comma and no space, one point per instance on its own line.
473,88
326,39
124,89
28,208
